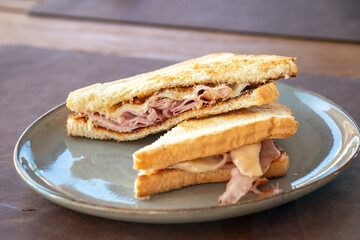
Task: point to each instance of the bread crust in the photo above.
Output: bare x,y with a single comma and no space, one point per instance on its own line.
170,179
216,135
220,68
78,125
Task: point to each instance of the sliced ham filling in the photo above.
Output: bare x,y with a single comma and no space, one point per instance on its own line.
159,109
247,169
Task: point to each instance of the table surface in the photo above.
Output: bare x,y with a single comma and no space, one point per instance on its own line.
335,59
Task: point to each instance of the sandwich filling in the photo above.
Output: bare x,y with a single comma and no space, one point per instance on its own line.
248,164
162,106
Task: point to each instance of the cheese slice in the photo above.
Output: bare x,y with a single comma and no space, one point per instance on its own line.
202,164
246,159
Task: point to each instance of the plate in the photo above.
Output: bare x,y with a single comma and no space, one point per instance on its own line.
96,177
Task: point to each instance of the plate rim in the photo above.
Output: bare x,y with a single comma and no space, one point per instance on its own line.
65,201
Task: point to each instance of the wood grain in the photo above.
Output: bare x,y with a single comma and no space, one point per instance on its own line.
321,57
21,6
322,19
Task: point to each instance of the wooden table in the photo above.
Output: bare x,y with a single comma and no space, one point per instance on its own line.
16,27
152,42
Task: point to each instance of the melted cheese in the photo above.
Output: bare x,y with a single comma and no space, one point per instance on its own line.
246,159
186,93
134,107
237,88
176,94
200,165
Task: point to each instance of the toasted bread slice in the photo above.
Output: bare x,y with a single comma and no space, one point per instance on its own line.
78,124
220,68
165,180
199,138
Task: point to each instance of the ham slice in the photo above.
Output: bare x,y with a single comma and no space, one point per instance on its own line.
211,95
241,184
158,109
270,192
268,153
238,186
256,183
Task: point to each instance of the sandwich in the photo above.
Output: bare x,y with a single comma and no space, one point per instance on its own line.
134,107
237,147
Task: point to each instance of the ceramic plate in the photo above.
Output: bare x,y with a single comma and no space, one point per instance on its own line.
96,177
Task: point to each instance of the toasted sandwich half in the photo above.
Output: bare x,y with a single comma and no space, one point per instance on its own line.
237,147
135,107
